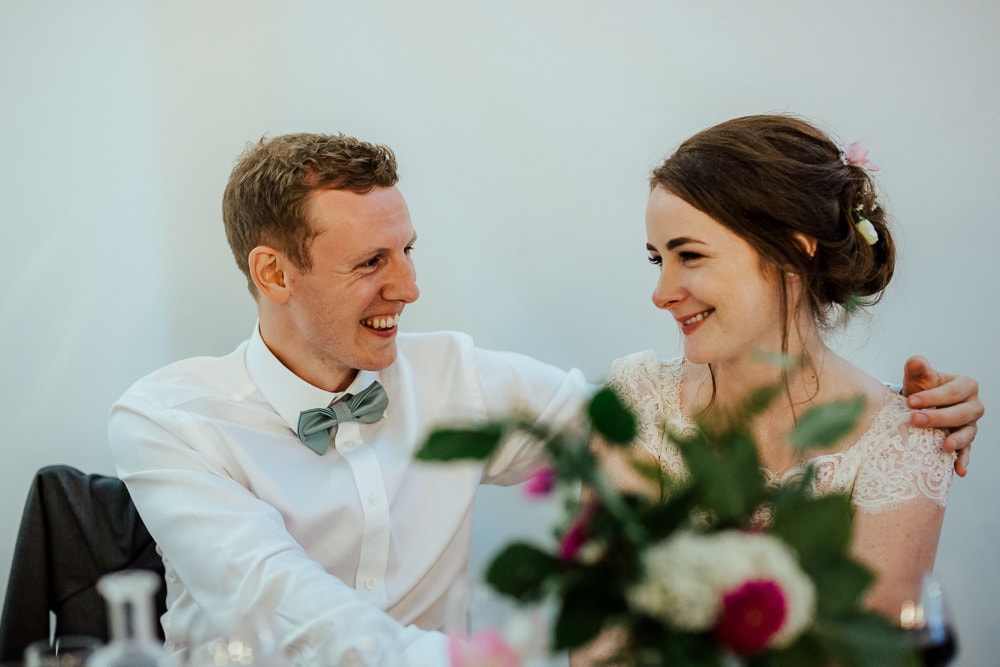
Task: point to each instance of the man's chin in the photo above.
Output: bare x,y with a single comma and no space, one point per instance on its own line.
381,361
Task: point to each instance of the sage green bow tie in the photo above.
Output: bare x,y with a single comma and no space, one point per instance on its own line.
316,426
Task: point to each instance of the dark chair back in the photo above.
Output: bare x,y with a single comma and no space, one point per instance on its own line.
76,527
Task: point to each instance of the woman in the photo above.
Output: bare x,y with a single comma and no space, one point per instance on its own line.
765,233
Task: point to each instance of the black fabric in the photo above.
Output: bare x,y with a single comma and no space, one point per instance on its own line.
76,527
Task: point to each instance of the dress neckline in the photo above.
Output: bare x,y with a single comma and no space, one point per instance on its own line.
797,469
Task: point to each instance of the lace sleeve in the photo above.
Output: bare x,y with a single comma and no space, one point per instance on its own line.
905,463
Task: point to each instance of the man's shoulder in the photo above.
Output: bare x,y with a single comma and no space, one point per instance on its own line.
189,379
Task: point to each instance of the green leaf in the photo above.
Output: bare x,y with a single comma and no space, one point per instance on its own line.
865,639
815,527
520,571
825,424
840,585
585,610
757,402
611,418
804,651
452,444
728,482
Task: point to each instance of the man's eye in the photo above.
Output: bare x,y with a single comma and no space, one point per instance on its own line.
373,262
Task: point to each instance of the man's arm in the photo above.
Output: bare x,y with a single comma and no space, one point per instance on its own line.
234,553
942,400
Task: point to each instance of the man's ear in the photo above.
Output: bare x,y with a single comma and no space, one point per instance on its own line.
808,243
267,269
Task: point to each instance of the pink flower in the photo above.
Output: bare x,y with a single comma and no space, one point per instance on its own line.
485,648
751,615
541,483
576,535
856,155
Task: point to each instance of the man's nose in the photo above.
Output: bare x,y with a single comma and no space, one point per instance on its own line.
402,282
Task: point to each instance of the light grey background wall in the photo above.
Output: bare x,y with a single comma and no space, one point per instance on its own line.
525,131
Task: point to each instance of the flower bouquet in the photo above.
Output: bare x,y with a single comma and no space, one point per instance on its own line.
692,575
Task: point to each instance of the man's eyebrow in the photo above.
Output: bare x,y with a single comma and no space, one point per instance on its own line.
372,252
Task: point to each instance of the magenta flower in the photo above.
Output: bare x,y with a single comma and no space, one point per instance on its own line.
485,648
856,155
751,615
577,534
541,483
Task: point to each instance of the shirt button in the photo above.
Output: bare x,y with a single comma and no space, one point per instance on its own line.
369,583
350,444
373,498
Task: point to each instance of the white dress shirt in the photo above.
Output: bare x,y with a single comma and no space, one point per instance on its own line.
356,548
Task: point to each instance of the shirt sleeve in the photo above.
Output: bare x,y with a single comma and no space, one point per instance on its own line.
512,384
233,552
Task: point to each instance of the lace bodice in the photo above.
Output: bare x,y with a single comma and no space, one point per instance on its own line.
890,463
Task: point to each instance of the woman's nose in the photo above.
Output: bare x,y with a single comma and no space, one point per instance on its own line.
668,292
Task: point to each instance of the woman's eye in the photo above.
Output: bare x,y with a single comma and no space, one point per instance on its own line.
656,261
689,256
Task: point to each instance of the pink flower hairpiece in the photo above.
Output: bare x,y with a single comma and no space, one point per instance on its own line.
856,155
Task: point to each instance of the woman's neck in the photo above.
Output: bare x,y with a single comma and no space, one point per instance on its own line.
798,371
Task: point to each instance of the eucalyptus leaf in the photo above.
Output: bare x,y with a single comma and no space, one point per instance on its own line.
802,652
520,571
585,610
611,418
840,585
825,424
815,527
453,444
866,639
727,483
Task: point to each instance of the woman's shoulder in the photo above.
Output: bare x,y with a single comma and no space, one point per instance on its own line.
647,384
901,461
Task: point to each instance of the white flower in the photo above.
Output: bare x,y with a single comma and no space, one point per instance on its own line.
687,576
867,230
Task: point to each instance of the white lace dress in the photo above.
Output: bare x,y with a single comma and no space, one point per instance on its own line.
890,463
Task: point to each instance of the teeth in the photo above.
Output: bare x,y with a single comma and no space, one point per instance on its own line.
697,318
382,323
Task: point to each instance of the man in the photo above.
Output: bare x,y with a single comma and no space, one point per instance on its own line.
227,458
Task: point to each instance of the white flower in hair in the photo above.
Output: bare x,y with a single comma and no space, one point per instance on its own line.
867,230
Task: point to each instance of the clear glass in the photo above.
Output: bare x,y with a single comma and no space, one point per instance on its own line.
129,596
473,608
251,642
69,651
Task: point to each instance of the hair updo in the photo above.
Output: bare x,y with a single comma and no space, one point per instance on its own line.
769,177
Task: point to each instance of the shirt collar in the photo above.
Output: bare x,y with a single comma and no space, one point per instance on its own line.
287,393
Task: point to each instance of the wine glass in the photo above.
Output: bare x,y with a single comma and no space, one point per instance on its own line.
928,621
69,651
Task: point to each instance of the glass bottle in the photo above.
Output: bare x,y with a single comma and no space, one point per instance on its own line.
129,596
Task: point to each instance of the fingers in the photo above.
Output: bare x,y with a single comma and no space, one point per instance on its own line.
918,375
916,367
954,417
960,439
956,390
962,462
